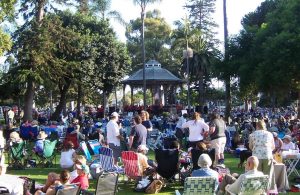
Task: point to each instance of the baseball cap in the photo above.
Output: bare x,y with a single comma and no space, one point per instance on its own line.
114,114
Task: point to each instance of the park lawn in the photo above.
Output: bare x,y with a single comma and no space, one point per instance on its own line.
124,188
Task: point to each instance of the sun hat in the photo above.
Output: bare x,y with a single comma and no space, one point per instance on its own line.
80,159
82,167
142,148
42,135
287,137
34,122
115,114
275,134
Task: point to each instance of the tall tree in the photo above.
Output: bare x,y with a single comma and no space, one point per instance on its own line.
6,12
143,4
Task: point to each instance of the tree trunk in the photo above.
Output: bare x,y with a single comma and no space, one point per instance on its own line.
298,104
116,98
62,101
228,98
104,102
28,100
201,92
79,95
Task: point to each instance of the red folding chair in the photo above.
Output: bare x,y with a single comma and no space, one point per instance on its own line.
131,164
73,138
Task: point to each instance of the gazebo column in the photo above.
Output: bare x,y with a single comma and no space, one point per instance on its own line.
124,86
131,96
152,95
165,92
157,95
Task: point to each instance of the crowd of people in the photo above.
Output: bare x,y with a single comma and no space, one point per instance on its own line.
263,132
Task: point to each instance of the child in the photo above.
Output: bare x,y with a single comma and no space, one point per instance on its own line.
82,178
67,156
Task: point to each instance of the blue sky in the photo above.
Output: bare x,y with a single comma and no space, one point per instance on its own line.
173,10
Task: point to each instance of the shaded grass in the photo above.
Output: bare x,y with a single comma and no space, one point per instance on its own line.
124,188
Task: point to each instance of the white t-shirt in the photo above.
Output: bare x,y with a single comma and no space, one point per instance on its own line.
66,159
289,146
113,131
11,114
196,129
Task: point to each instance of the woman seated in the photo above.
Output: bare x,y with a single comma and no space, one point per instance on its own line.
204,163
143,159
63,179
67,156
39,144
53,177
288,144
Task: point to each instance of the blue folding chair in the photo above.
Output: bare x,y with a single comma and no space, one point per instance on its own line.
106,159
95,146
86,152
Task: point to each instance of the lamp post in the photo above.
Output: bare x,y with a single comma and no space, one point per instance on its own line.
188,53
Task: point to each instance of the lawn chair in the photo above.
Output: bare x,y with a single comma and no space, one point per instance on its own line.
86,151
94,147
199,185
17,153
106,159
46,159
253,185
28,132
131,164
107,184
72,137
69,189
167,162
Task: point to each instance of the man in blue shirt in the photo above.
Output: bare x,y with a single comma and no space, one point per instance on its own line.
205,162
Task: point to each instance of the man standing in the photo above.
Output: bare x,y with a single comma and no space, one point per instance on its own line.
114,136
217,128
138,134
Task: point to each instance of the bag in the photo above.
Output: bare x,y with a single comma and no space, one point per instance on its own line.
154,187
277,157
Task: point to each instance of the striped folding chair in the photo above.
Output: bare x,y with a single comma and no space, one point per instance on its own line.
106,159
199,185
252,184
131,164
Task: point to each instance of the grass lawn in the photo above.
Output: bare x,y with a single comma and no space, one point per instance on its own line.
40,175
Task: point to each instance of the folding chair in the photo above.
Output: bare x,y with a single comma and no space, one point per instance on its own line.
46,159
167,162
131,164
17,152
72,138
253,185
199,185
28,132
94,146
69,189
107,184
86,151
106,159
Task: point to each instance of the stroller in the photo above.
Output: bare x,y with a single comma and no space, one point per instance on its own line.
46,158
17,153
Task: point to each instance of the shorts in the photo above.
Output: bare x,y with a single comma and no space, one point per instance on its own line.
116,150
218,144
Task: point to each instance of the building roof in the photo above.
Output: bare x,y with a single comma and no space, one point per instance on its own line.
154,74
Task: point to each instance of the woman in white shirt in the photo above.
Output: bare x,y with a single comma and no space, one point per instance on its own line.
288,144
67,156
197,129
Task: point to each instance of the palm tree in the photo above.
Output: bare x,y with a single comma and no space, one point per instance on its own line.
143,4
103,8
226,75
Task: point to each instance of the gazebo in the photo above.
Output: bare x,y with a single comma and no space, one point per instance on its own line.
158,80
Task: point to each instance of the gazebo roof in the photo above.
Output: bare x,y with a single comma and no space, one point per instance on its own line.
154,74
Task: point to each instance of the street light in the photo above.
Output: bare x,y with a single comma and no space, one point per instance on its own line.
188,53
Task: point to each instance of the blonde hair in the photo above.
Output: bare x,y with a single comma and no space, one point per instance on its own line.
261,125
146,114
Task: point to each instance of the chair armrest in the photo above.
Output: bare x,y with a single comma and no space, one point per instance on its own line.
177,192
